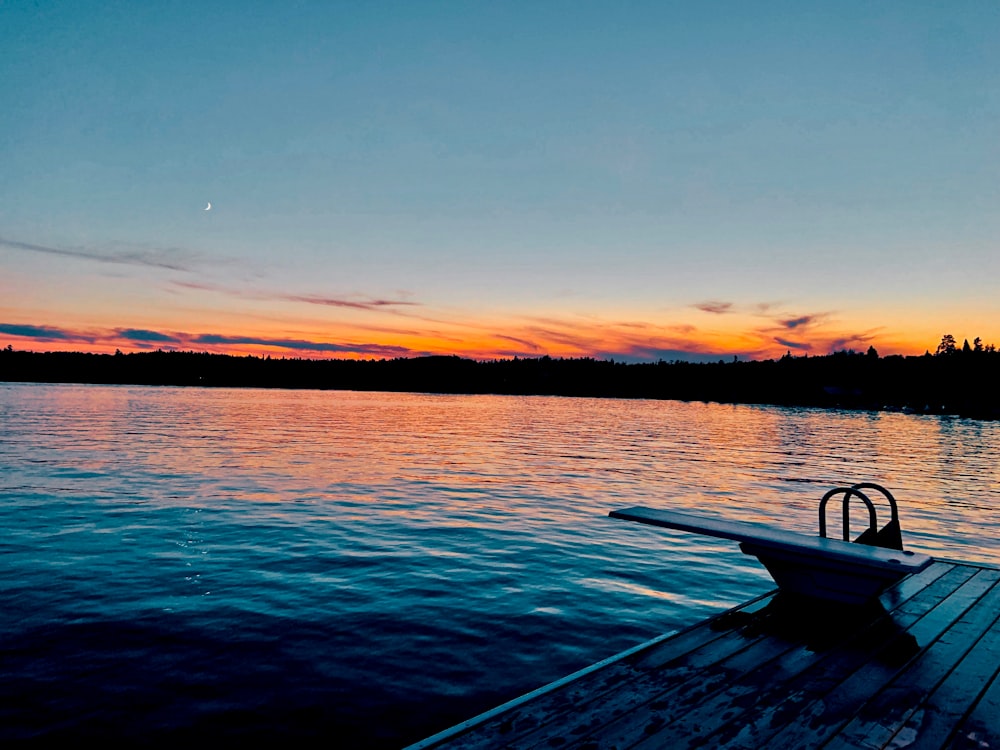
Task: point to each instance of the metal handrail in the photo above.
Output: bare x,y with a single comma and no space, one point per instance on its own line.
847,492
889,536
894,512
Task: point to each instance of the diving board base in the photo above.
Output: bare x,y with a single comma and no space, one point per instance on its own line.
829,580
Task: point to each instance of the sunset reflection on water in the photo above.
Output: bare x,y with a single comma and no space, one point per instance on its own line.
458,460
464,540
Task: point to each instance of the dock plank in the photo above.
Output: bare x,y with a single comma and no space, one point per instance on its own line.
920,671
981,728
547,707
884,639
934,723
655,675
827,715
813,662
653,712
747,710
887,712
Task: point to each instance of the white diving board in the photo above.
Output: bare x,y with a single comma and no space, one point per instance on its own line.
811,565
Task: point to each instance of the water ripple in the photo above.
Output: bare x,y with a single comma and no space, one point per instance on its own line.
246,563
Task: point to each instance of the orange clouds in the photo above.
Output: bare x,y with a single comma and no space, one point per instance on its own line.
746,337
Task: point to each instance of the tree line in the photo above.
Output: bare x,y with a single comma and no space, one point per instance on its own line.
949,346
960,380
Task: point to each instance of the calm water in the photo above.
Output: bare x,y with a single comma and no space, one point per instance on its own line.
370,568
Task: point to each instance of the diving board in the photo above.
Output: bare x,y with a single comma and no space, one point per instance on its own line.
814,566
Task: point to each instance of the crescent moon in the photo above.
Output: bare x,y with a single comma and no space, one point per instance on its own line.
208,207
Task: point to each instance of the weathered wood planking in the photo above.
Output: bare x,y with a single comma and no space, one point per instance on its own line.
919,670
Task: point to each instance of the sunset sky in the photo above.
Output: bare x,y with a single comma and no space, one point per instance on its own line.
635,180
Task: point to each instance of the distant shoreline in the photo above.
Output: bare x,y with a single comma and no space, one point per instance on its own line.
957,383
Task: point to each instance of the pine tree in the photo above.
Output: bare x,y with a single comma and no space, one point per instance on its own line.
947,345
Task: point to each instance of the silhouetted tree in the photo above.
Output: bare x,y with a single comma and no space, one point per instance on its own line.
966,349
947,345
872,352
977,344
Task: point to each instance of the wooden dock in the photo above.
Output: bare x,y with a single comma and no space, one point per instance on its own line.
918,669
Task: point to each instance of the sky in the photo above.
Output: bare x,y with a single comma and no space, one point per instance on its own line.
627,180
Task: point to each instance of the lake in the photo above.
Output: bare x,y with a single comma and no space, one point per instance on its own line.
369,568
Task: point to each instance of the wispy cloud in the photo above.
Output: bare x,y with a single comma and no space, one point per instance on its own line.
356,304
860,340
798,345
140,335
165,259
201,286
379,350
715,307
43,333
803,320
145,339
528,345
564,338
622,340
465,335
764,308
352,301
